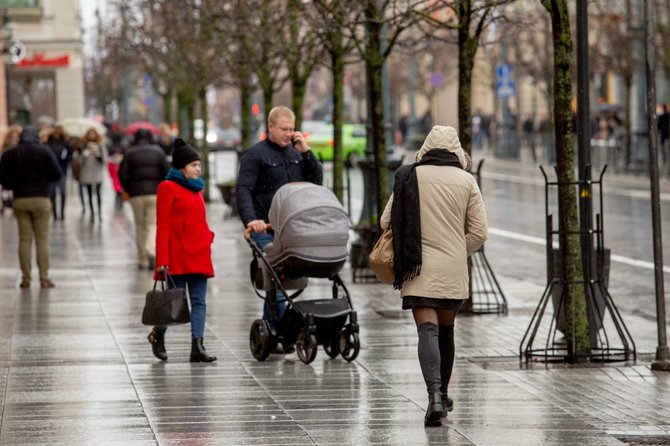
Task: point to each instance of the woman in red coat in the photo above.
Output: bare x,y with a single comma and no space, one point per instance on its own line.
184,244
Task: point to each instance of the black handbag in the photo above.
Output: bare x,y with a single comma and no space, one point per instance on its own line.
167,305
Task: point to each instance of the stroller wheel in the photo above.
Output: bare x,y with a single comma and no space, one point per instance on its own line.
260,341
306,346
332,347
349,344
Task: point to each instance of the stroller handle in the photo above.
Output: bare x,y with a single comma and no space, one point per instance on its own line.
249,231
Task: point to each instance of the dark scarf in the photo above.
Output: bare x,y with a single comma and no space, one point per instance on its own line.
194,184
406,215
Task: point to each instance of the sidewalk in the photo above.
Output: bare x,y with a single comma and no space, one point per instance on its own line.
76,368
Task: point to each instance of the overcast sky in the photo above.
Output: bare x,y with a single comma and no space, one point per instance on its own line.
87,8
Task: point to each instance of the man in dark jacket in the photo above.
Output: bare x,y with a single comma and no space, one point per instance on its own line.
283,157
28,169
143,167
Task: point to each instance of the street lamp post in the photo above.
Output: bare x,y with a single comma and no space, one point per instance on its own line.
662,361
5,39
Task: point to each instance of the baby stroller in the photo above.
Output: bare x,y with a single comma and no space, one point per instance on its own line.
311,232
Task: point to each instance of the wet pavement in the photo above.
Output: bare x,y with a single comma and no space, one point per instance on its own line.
76,367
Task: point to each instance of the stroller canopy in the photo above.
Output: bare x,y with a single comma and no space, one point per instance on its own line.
309,223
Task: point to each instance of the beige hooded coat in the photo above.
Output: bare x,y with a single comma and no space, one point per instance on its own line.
450,201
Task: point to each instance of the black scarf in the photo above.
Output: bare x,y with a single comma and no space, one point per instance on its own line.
406,215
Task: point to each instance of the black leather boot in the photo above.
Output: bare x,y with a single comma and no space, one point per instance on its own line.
447,352
434,411
157,342
198,352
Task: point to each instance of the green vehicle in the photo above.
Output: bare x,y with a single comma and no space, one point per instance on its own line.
319,136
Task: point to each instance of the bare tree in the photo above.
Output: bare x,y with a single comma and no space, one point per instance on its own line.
614,50
663,36
467,19
104,67
329,18
573,292
377,27
303,52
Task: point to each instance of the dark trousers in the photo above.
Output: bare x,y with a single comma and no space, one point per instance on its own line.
89,190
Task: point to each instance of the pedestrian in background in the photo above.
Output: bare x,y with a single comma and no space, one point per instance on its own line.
282,157
92,157
184,244
58,143
664,134
431,245
113,168
142,169
27,170
528,128
165,139
10,140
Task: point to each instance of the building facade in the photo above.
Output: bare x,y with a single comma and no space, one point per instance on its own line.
49,80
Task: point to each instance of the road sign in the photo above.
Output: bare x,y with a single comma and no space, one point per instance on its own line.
436,79
17,51
505,85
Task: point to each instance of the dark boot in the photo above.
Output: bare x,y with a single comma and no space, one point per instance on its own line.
157,342
198,352
447,353
434,411
429,359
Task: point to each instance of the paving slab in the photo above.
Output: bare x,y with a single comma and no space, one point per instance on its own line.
76,368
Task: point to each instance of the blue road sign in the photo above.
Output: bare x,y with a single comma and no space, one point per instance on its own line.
505,86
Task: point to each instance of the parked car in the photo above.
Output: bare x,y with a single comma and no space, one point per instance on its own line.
225,139
319,136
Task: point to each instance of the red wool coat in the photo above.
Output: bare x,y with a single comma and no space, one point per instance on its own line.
183,238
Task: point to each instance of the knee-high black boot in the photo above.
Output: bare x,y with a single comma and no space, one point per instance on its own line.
447,353
429,359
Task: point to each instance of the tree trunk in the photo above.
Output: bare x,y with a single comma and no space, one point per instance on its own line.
186,107
167,107
268,91
202,96
373,64
627,149
467,49
337,59
245,110
298,89
574,297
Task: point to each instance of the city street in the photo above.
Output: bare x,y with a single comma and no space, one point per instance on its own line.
76,367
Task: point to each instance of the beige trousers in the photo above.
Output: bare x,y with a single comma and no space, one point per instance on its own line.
33,215
144,212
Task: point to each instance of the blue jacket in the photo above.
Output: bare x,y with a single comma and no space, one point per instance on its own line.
264,168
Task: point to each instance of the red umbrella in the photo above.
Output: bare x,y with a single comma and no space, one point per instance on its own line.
131,129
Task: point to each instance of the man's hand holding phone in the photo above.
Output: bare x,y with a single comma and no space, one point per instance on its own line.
299,142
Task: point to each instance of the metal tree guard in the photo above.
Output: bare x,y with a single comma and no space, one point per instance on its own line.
542,341
487,296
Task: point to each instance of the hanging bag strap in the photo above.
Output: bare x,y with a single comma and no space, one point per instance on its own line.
166,281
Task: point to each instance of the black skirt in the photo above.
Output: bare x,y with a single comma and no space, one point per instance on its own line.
408,302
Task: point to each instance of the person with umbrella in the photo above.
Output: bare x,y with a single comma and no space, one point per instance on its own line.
92,157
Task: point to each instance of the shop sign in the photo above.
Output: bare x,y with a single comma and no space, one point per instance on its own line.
38,60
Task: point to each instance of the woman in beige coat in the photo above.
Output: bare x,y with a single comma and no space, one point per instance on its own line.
432,242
